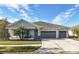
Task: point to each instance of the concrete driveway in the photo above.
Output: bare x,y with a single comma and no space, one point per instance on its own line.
60,45
65,44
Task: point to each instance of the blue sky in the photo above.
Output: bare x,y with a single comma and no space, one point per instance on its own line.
62,14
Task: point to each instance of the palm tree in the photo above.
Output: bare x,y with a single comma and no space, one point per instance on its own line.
20,32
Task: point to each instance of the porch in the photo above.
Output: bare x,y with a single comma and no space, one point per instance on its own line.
29,34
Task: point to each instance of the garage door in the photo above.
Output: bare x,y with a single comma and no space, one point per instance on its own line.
62,34
48,34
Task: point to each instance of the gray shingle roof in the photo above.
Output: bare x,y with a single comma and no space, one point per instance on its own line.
49,25
40,24
21,23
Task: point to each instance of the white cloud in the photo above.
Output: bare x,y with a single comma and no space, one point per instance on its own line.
36,5
77,5
8,19
22,11
35,19
26,6
12,7
65,16
12,20
1,17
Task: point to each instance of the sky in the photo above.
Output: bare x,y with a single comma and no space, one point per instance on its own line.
62,14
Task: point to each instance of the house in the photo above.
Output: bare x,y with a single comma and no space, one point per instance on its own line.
3,31
70,31
39,29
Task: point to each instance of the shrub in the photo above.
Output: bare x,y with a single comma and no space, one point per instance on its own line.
75,31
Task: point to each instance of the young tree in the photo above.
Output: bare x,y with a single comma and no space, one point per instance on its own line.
75,31
20,32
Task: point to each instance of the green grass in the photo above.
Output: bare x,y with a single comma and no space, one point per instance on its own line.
19,42
18,48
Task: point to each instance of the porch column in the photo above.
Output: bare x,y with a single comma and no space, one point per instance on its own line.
57,34
32,33
67,34
11,32
39,32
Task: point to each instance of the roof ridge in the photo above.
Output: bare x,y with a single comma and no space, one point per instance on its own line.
50,23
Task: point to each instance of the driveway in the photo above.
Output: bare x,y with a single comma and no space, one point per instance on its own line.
59,46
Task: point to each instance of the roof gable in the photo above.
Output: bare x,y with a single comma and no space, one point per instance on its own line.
21,23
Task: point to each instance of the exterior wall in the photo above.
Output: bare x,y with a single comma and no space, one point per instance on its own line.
11,32
32,33
57,34
70,33
67,34
53,29
12,36
39,32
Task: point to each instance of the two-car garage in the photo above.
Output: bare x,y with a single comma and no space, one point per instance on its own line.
53,34
49,30
48,34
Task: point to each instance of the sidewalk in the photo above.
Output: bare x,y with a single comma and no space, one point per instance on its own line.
22,45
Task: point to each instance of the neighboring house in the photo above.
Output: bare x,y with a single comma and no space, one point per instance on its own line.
70,31
39,29
3,31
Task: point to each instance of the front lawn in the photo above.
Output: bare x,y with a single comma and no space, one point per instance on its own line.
15,49
18,42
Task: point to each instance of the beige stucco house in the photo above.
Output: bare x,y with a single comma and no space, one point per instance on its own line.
43,29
